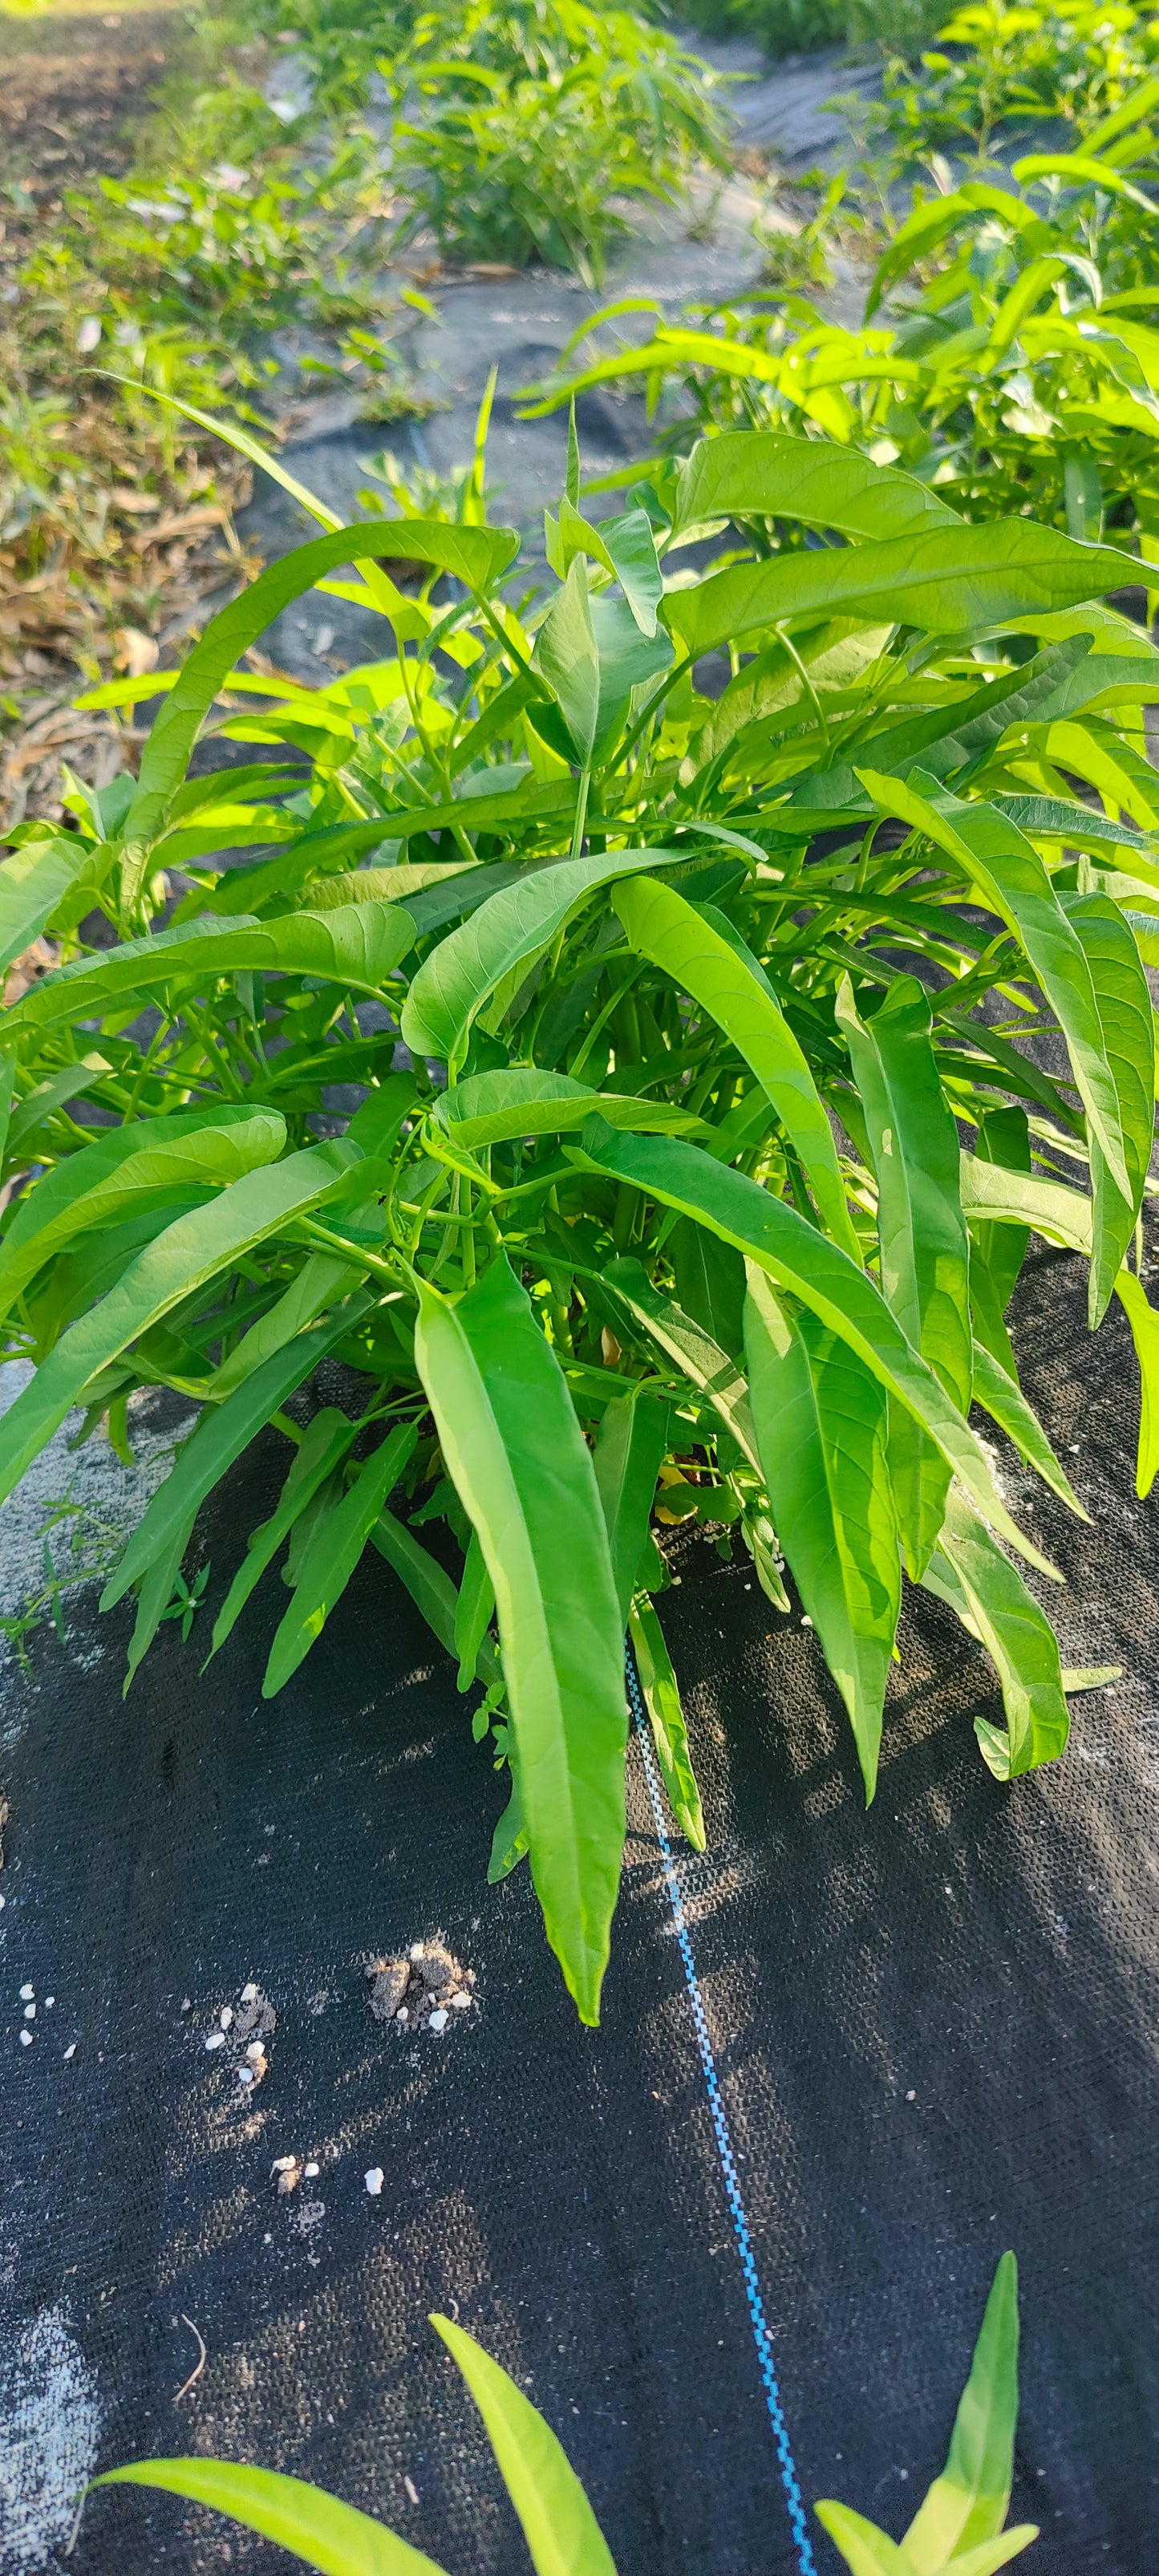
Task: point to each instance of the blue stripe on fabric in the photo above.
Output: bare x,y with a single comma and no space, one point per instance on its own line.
762,2336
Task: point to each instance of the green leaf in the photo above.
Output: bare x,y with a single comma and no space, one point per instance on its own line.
1144,1323
566,660
378,1124
33,881
629,1453
122,1171
459,976
706,958
821,1422
693,1349
518,1101
943,580
321,1279
628,660
473,1611
967,2504
969,1571
929,224
356,946
1050,1208
1127,1024
325,1442
332,1553
509,1840
429,1586
45,1097
760,473
802,1261
925,1263
219,1437
1003,1400
710,1282
990,2555
330,2536
474,555
559,2526
187,1254
1003,1137
631,547
661,1693
516,1455
1013,881
865,2550
1051,818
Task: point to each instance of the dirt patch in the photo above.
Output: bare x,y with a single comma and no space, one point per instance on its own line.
72,89
137,568
424,1989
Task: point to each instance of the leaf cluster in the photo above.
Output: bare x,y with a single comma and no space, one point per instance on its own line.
1009,356
997,79
701,1046
516,125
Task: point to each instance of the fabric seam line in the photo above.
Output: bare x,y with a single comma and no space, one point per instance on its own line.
762,2335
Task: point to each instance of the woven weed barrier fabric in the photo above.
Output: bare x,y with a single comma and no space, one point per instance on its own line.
934,2031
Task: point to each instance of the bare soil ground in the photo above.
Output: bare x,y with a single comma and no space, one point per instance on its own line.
72,87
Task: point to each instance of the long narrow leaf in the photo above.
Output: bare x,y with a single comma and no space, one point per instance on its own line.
473,554
941,579
189,1252
967,2504
125,1170
693,1349
821,1428
1006,1405
804,1262
514,1450
220,1437
969,1570
333,2537
1144,1323
33,881
473,1611
331,1555
629,1454
661,1692
459,976
559,2526
925,1263
1011,878
720,973
325,1442
1127,1022
751,473
357,945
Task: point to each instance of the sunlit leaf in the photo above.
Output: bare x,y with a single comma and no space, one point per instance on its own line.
514,1450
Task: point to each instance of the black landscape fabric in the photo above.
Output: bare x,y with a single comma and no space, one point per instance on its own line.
934,2026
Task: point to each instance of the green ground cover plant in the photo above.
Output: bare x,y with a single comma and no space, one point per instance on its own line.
719,1126
958,2530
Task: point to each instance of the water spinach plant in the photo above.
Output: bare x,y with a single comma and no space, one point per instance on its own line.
702,1112
958,2530
1008,356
